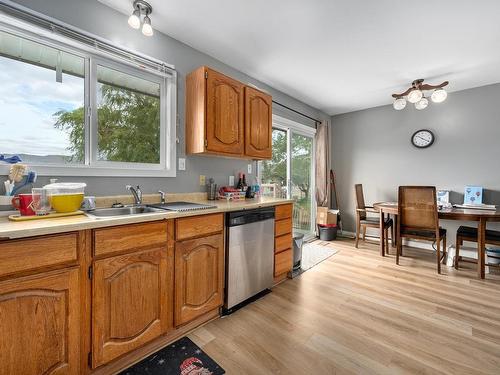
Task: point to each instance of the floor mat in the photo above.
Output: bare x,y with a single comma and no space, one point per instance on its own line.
313,254
183,357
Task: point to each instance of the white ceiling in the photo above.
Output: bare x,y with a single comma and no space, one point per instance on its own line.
341,55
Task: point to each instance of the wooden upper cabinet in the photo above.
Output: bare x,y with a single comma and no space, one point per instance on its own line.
225,117
225,130
258,120
199,270
132,302
40,324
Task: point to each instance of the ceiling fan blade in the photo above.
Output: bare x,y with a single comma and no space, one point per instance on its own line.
402,94
431,87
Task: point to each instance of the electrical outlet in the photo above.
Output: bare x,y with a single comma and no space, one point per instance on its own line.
202,180
249,169
182,164
231,180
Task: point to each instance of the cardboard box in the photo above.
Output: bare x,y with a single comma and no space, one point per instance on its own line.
325,215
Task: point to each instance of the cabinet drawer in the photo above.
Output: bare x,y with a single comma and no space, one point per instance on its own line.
283,262
282,227
39,252
196,226
127,237
282,243
283,211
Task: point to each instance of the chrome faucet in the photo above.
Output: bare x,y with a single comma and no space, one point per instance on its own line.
162,196
137,193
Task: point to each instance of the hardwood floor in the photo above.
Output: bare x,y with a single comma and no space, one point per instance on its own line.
360,313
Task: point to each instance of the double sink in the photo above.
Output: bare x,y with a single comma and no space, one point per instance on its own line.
147,209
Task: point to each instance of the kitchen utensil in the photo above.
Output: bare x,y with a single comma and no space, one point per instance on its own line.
22,202
16,172
66,196
41,201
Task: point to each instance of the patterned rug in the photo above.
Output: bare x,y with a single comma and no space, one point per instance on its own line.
183,357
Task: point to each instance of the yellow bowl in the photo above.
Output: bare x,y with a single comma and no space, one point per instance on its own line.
66,202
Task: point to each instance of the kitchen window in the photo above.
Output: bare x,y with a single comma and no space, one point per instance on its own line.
66,110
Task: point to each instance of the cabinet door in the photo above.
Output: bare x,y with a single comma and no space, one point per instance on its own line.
258,124
40,324
199,267
131,302
224,114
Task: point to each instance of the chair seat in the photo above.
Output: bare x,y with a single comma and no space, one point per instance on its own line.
423,233
470,234
375,222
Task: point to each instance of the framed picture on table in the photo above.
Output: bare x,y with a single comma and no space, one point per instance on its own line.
473,195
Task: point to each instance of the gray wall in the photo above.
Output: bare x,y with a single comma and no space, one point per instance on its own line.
373,147
92,16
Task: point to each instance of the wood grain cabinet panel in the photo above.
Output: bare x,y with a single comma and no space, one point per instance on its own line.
224,114
108,241
282,243
258,124
283,262
40,324
283,211
132,302
36,253
282,227
196,226
199,270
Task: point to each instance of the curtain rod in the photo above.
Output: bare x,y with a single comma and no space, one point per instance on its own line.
297,112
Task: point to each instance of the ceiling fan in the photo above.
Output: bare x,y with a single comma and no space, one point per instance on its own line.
415,95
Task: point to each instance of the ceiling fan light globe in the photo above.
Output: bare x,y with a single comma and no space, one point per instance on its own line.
422,104
147,29
439,95
399,104
414,96
134,20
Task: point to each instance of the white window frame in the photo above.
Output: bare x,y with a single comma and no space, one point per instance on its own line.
91,166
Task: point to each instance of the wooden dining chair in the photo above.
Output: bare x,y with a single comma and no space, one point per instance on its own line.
465,233
364,221
418,219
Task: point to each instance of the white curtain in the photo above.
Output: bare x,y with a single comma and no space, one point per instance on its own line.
322,159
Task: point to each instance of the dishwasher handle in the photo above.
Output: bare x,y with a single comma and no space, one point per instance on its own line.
234,219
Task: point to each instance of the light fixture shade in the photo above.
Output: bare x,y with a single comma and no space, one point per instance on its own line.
422,104
134,20
439,95
146,27
414,96
399,104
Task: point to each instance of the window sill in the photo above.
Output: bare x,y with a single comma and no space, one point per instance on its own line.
86,171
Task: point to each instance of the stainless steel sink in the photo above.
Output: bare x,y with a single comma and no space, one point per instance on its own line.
123,211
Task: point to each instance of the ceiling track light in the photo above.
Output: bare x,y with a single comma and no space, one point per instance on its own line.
141,7
415,95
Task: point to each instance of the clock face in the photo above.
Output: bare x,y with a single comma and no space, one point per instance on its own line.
422,138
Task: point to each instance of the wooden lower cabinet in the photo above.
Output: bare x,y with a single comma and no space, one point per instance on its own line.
131,302
199,273
40,324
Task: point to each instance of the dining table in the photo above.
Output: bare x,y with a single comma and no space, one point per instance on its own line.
481,216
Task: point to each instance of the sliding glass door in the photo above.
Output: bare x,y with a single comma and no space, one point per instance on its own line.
289,174
301,181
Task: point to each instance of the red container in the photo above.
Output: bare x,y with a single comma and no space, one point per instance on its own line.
23,202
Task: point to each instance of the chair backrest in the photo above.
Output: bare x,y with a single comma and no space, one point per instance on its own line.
360,200
418,208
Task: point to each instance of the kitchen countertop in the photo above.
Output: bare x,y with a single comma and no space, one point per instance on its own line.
11,229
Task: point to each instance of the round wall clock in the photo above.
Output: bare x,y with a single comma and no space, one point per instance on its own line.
422,138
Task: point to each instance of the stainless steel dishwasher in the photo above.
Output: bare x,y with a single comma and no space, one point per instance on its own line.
249,255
